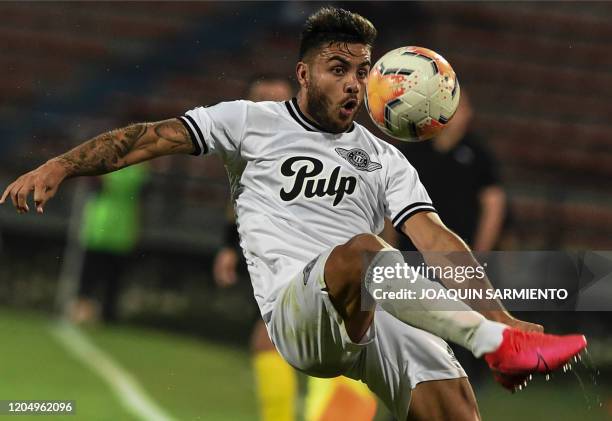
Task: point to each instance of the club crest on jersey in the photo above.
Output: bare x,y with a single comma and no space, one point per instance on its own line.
307,180
359,159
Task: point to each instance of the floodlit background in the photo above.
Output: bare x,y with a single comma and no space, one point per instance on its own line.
539,76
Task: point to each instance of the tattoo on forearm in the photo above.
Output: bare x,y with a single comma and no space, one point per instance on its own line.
174,133
107,152
103,153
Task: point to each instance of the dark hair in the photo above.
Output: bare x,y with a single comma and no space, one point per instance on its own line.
331,24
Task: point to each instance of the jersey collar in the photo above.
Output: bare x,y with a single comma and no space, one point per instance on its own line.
305,122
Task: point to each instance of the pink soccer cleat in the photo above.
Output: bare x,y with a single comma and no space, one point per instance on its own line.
522,354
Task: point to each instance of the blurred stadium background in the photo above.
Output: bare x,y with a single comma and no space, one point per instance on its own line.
539,76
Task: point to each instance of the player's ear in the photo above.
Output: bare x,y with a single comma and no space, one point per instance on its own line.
301,73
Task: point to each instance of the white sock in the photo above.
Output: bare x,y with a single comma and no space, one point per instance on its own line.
487,337
451,320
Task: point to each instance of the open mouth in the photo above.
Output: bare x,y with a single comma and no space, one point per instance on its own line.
350,105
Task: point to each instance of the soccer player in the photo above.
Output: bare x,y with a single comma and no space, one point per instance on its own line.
311,189
276,381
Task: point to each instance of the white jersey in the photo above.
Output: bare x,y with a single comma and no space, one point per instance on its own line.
298,190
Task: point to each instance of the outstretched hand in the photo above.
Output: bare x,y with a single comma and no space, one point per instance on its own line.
43,182
524,326
508,319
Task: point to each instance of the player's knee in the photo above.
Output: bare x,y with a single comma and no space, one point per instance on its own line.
352,258
364,243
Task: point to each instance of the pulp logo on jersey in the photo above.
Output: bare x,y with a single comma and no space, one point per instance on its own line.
359,159
306,181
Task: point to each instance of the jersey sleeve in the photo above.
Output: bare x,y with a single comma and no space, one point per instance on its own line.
405,195
216,129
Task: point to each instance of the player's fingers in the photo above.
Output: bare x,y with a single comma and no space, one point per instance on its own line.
13,194
532,327
42,193
22,196
7,192
538,328
529,327
42,201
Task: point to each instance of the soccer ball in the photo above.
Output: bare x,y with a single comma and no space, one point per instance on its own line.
412,93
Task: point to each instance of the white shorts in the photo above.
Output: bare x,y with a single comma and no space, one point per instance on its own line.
391,359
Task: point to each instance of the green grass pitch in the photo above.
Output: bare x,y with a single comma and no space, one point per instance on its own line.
196,380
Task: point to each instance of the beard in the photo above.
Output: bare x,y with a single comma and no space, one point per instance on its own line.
320,108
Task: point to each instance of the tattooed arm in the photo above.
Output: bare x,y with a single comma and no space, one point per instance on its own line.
104,153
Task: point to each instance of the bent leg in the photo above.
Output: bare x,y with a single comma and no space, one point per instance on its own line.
309,330
344,271
349,270
443,400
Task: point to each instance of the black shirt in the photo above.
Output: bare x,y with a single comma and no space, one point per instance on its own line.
454,180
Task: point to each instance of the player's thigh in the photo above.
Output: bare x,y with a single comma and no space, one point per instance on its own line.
306,328
443,400
400,358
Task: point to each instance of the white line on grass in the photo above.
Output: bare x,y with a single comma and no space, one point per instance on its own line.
125,387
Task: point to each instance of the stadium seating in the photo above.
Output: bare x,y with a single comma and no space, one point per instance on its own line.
540,87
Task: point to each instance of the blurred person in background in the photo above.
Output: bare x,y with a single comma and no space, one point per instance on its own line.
462,179
109,234
276,381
